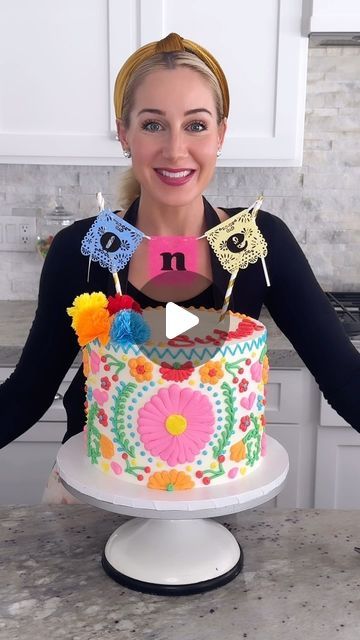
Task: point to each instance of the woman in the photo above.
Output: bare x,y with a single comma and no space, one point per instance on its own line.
171,103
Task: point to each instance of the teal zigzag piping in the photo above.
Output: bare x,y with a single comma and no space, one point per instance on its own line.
199,352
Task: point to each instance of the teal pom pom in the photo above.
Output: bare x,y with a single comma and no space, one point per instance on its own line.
129,327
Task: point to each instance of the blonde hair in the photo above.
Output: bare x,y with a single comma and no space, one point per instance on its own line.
128,189
171,44
170,53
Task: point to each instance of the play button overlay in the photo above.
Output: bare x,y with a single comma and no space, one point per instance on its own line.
178,320
183,323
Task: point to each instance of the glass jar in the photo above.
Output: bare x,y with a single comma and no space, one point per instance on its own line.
50,223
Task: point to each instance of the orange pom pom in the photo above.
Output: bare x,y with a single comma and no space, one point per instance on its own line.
91,324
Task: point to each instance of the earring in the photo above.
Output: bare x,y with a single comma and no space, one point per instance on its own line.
218,153
127,153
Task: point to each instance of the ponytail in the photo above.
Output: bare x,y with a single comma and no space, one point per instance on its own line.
128,189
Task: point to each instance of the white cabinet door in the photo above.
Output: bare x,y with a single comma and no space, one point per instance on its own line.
260,47
322,16
25,464
283,413
283,396
329,417
289,436
292,413
337,462
337,469
61,60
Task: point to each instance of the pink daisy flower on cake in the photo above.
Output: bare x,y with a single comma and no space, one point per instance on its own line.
176,424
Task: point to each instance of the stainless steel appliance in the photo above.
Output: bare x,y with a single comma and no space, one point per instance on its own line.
347,307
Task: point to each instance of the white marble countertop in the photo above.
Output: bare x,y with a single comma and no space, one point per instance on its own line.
16,318
300,580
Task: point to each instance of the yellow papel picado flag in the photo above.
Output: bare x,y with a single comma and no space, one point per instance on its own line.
238,241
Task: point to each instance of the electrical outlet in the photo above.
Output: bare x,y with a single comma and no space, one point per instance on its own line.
17,233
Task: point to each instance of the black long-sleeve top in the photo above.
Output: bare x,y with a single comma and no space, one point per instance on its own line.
295,301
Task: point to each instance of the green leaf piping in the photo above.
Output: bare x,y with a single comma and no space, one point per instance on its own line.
93,435
114,362
229,423
118,418
252,441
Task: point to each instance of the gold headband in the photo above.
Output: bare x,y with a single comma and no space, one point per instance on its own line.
172,42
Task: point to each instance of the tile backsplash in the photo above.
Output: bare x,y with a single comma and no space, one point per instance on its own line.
320,201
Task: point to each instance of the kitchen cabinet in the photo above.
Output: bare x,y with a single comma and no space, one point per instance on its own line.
61,60
25,464
292,412
334,16
337,462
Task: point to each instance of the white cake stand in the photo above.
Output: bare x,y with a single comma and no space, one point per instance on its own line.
169,547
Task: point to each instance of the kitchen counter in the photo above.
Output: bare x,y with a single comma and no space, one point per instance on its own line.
300,580
16,318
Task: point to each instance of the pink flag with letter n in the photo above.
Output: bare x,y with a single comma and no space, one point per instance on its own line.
175,257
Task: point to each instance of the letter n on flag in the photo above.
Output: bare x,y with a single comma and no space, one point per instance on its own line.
175,256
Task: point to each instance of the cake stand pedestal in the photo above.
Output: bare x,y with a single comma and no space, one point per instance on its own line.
170,547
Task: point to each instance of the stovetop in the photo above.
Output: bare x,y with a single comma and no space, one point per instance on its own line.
347,307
